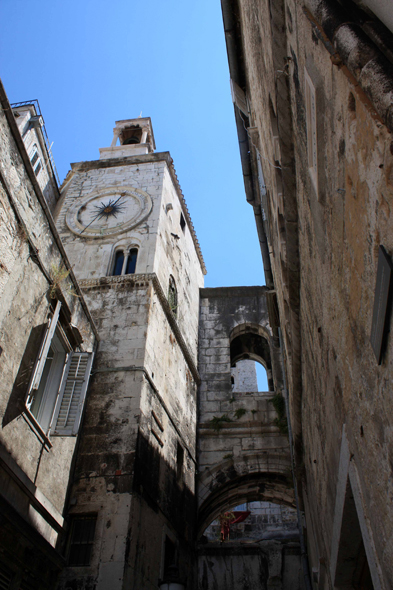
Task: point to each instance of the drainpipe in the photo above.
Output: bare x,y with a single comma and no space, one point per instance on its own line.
264,247
303,550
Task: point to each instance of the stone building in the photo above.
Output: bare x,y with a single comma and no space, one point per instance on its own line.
312,84
32,129
125,225
46,349
172,433
114,489
243,450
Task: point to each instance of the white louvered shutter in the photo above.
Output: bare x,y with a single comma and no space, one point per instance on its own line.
69,406
39,367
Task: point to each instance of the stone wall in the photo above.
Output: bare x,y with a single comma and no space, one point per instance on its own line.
266,565
333,224
239,440
35,276
138,453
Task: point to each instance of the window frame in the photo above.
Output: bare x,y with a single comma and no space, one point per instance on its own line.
36,164
74,519
57,380
126,250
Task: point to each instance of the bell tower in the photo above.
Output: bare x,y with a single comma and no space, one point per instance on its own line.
128,233
134,136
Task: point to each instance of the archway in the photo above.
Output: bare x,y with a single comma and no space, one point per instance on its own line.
252,342
253,477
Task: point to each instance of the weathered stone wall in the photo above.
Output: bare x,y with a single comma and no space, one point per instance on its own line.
335,231
34,465
163,248
239,441
266,565
138,451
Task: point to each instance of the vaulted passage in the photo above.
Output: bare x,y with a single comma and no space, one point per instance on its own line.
243,450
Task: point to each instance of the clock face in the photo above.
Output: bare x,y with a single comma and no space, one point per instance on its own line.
108,212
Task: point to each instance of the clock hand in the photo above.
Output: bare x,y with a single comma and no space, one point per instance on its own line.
99,214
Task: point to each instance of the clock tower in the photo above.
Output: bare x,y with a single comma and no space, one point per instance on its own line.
128,233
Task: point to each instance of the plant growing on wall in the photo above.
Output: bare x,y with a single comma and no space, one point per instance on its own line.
217,422
58,274
281,420
239,413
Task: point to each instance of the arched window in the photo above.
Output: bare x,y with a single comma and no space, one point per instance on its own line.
172,296
125,262
131,261
119,263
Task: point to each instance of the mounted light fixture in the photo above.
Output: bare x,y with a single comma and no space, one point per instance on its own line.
172,580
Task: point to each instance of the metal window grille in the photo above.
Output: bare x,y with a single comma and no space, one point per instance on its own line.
82,539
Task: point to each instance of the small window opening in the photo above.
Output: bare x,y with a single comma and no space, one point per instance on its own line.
179,462
82,539
131,261
172,296
169,554
182,223
36,160
119,261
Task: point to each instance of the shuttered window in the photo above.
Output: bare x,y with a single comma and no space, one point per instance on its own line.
72,394
59,383
38,370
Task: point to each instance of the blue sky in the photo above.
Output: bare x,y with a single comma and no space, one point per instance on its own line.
91,63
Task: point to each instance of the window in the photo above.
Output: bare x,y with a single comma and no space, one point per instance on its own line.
125,263
131,261
119,263
311,122
43,400
35,160
82,539
172,296
59,382
182,223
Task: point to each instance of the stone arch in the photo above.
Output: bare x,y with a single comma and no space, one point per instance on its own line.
252,341
252,477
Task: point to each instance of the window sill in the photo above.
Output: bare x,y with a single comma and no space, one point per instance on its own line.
37,428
